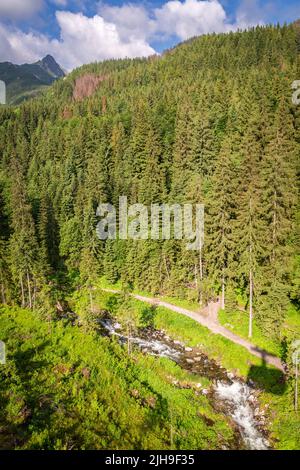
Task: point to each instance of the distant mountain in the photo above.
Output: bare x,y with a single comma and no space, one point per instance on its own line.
27,80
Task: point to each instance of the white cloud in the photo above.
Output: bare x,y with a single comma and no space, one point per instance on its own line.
119,31
132,21
191,18
86,39
175,18
18,47
19,9
82,40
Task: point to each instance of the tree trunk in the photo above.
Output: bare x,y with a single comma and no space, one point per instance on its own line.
34,294
196,276
223,294
201,275
201,265
29,290
166,265
274,234
250,303
22,290
296,383
91,299
250,274
3,293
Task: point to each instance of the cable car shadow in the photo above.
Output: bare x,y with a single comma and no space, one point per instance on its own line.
266,377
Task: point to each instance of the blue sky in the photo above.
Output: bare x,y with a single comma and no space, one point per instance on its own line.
81,31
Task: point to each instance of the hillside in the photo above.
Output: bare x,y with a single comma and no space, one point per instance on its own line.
27,80
210,122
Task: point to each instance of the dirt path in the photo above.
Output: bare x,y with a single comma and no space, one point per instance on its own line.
209,317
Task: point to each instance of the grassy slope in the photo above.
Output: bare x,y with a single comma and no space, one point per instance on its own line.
277,396
232,356
237,321
67,388
15,97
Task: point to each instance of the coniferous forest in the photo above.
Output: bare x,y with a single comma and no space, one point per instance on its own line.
210,121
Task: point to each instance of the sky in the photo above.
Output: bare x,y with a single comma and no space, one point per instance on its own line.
83,31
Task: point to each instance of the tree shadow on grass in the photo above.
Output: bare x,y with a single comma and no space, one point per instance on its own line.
22,398
113,304
269,379
148,315
25,362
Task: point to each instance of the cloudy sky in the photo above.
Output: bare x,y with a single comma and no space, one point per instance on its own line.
82,31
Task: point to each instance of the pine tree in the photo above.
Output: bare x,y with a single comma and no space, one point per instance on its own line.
118,146
221,215
279,200
203,143
24,257
183,156
152,182
249,227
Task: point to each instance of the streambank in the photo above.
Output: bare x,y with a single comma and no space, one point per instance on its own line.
228,394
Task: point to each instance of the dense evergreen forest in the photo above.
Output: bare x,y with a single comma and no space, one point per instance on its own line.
210,121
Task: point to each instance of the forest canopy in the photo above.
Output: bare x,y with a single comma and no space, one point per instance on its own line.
210,121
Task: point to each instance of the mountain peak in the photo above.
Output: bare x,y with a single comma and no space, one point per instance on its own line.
49,64
48,59
27,80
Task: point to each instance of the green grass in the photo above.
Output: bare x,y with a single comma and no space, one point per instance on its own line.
228,354
184,303
16,96
237,321
292,321
105,284
65,388
47,401
284,423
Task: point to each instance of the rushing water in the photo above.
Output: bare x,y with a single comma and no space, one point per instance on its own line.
152,346
239,397
229,395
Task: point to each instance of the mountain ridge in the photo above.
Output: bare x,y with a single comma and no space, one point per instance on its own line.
27,80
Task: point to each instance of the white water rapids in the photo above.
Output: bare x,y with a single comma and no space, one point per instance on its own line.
235,396
238,395
153,347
